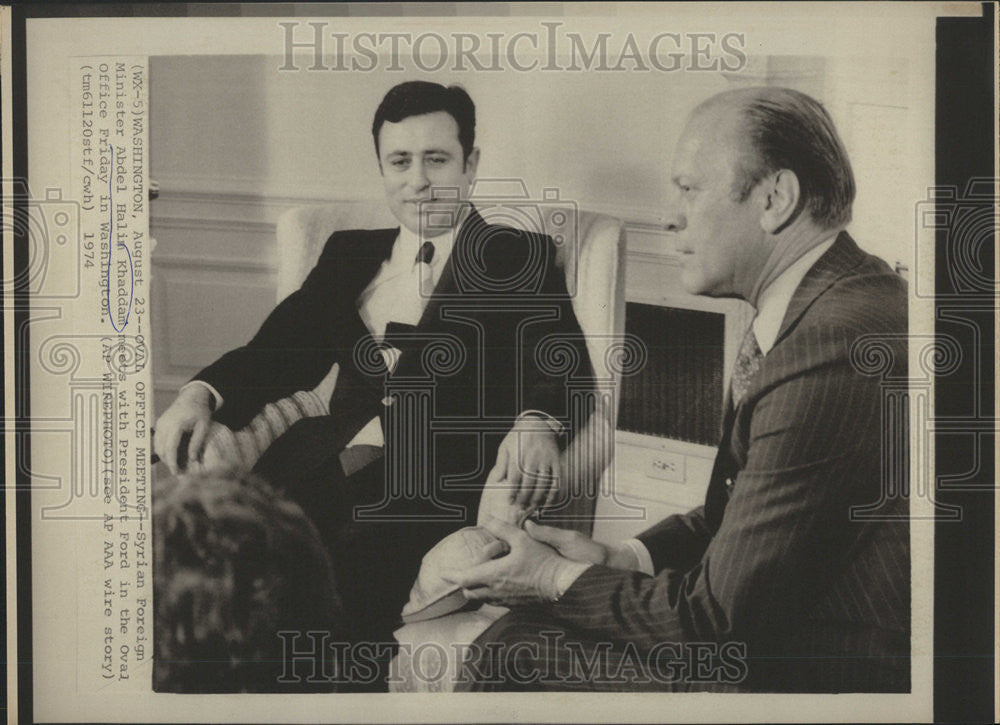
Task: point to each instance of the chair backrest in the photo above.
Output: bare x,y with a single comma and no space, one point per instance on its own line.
590,250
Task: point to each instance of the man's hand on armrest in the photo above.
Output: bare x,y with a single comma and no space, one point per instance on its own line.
529,460
191,412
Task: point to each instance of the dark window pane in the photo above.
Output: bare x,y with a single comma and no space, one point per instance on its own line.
679,392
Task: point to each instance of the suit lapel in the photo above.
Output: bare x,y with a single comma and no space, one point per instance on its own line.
362,259
843,256
717,494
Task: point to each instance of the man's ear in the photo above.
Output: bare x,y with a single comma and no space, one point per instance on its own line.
472,162
781,200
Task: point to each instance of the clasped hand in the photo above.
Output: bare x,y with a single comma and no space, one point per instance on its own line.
530,572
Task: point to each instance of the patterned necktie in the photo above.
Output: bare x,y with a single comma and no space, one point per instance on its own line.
747,364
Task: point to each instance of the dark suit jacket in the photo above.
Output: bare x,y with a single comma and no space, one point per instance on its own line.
499,295
775,559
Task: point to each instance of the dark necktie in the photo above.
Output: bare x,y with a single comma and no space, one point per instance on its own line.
748,361
426,253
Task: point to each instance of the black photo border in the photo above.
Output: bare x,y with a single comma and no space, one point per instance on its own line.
964,560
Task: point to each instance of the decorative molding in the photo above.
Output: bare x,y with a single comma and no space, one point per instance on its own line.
241,189
223,211
211,224
170,381
239,194
664,258
191,261
634,217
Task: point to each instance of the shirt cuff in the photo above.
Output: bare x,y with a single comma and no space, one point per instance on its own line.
641,553
370,435
569,573
215,393
557,427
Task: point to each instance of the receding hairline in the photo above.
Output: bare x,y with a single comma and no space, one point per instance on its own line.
728,111
733,104
771,127
718,120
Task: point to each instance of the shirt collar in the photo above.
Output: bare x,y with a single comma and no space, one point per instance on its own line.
775,298
408,244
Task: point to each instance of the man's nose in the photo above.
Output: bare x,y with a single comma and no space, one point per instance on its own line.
674,220
418,176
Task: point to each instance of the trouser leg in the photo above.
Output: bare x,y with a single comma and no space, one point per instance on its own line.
375,562
528,650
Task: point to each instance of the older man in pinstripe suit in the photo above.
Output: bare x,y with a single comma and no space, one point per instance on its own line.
779,582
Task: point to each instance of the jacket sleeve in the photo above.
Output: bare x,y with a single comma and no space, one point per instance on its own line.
813,453
291,351
678,541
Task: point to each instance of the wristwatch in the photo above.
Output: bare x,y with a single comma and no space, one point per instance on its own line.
554,425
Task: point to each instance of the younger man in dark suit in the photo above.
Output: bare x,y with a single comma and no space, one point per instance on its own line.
434,326
778,575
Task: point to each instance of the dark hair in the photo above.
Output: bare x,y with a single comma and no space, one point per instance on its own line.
234,564
786,129
416,98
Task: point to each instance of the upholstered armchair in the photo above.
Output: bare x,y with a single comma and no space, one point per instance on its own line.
590,250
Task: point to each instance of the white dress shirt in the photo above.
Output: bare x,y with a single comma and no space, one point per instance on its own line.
399,292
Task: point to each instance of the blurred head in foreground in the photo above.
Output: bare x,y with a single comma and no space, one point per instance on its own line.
234,564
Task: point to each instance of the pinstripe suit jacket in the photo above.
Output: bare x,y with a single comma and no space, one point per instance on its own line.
775,559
